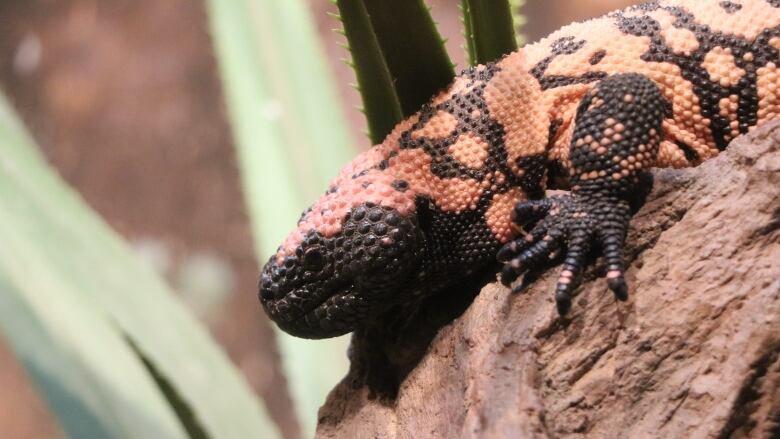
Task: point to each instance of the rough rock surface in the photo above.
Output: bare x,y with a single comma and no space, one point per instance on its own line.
694,353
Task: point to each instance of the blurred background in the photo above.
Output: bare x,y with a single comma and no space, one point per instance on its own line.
124,99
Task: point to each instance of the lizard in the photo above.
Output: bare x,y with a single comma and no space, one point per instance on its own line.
461,184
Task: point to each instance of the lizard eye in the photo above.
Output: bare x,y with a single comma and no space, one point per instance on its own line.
313,259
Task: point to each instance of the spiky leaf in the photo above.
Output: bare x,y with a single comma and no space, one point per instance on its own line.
489,29
399,58
376,85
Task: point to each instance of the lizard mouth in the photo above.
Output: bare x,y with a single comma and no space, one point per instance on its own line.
316,310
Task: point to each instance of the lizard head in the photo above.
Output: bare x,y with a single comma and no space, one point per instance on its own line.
323,283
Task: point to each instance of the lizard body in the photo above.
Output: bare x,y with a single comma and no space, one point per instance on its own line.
590,108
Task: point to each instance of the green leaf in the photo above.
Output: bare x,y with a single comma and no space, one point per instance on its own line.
413,50
489,29
88,375
377,89
291,139
399,58
518,19
76,304
468,32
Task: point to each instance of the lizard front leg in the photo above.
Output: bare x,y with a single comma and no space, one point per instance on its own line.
615,141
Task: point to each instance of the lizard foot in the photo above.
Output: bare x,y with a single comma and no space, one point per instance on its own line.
572,224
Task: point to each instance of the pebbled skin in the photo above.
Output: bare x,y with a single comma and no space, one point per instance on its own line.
591,108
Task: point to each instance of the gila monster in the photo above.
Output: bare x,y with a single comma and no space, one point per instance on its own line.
591,108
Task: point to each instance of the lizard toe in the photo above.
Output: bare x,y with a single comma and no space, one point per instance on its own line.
535,253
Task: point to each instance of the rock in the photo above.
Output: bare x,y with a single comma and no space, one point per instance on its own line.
694,353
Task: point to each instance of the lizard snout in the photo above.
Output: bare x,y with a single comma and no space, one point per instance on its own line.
331,283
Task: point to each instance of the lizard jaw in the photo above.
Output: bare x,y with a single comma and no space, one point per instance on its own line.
318,310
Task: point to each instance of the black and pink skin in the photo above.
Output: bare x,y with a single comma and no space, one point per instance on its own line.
353,257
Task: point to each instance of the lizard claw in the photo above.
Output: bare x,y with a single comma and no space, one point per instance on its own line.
571,224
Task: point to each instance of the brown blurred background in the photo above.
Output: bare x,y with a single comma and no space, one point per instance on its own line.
124,99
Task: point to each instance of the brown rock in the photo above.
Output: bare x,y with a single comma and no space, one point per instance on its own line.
694,353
